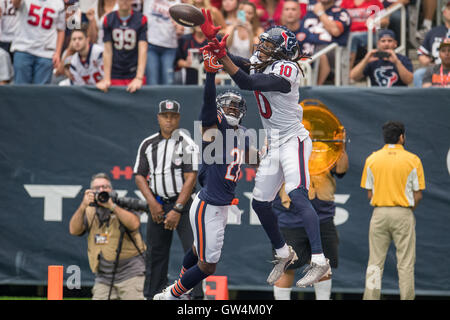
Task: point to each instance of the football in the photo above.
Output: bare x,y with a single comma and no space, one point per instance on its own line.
186,14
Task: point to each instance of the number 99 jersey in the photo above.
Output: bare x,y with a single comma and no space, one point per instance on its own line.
281,114
125,36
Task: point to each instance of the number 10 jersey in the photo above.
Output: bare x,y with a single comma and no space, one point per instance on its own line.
281,114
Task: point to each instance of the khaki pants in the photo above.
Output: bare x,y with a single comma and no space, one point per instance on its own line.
130,289
391,224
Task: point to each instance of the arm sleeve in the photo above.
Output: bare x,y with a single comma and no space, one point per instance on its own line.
366,71
242,63
141,166
142,35
407,63
208,114
61,20
367,178
261,82
107,32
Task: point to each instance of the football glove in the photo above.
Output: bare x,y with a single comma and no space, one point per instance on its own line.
210,62
208,28
219,49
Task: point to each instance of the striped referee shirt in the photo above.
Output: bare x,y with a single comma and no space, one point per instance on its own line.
165,160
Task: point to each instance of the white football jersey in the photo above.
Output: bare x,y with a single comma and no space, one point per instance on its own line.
39,21
160,31
8,21
88,72
281,113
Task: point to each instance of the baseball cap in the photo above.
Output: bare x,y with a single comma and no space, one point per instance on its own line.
445,43
386,33
169,106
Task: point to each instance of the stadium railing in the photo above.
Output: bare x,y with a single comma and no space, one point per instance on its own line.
311,72
372,25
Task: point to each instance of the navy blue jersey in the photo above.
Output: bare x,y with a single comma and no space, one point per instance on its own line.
185,43
125,36
218,180
432,41
384,73
312,31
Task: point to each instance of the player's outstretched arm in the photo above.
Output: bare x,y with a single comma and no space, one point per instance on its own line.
242,63
261,82
208,114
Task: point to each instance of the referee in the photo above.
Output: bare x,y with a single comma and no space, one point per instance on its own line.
171,163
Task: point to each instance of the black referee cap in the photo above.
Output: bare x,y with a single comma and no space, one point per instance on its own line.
169,106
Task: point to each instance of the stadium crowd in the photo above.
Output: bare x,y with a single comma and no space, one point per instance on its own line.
38,44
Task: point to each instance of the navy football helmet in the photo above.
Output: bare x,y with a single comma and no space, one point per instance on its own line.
285,44
232,99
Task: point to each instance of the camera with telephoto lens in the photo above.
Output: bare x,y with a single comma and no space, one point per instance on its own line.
124,202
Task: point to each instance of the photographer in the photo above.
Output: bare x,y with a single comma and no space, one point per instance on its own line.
115,246
383,66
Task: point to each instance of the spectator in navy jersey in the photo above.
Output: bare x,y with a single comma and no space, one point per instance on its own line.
428,52
384,71
324,23
184,59
125,48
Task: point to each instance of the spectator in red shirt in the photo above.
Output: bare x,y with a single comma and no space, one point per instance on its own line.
269,12
360,11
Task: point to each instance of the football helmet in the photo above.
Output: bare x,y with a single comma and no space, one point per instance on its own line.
232,99
284,41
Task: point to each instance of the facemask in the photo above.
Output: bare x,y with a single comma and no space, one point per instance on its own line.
232,121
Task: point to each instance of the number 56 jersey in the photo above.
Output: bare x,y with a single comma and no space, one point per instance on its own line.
38,22
281,114
125,35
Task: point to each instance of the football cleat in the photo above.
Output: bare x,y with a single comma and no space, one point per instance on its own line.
314,272
280,266
167,295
